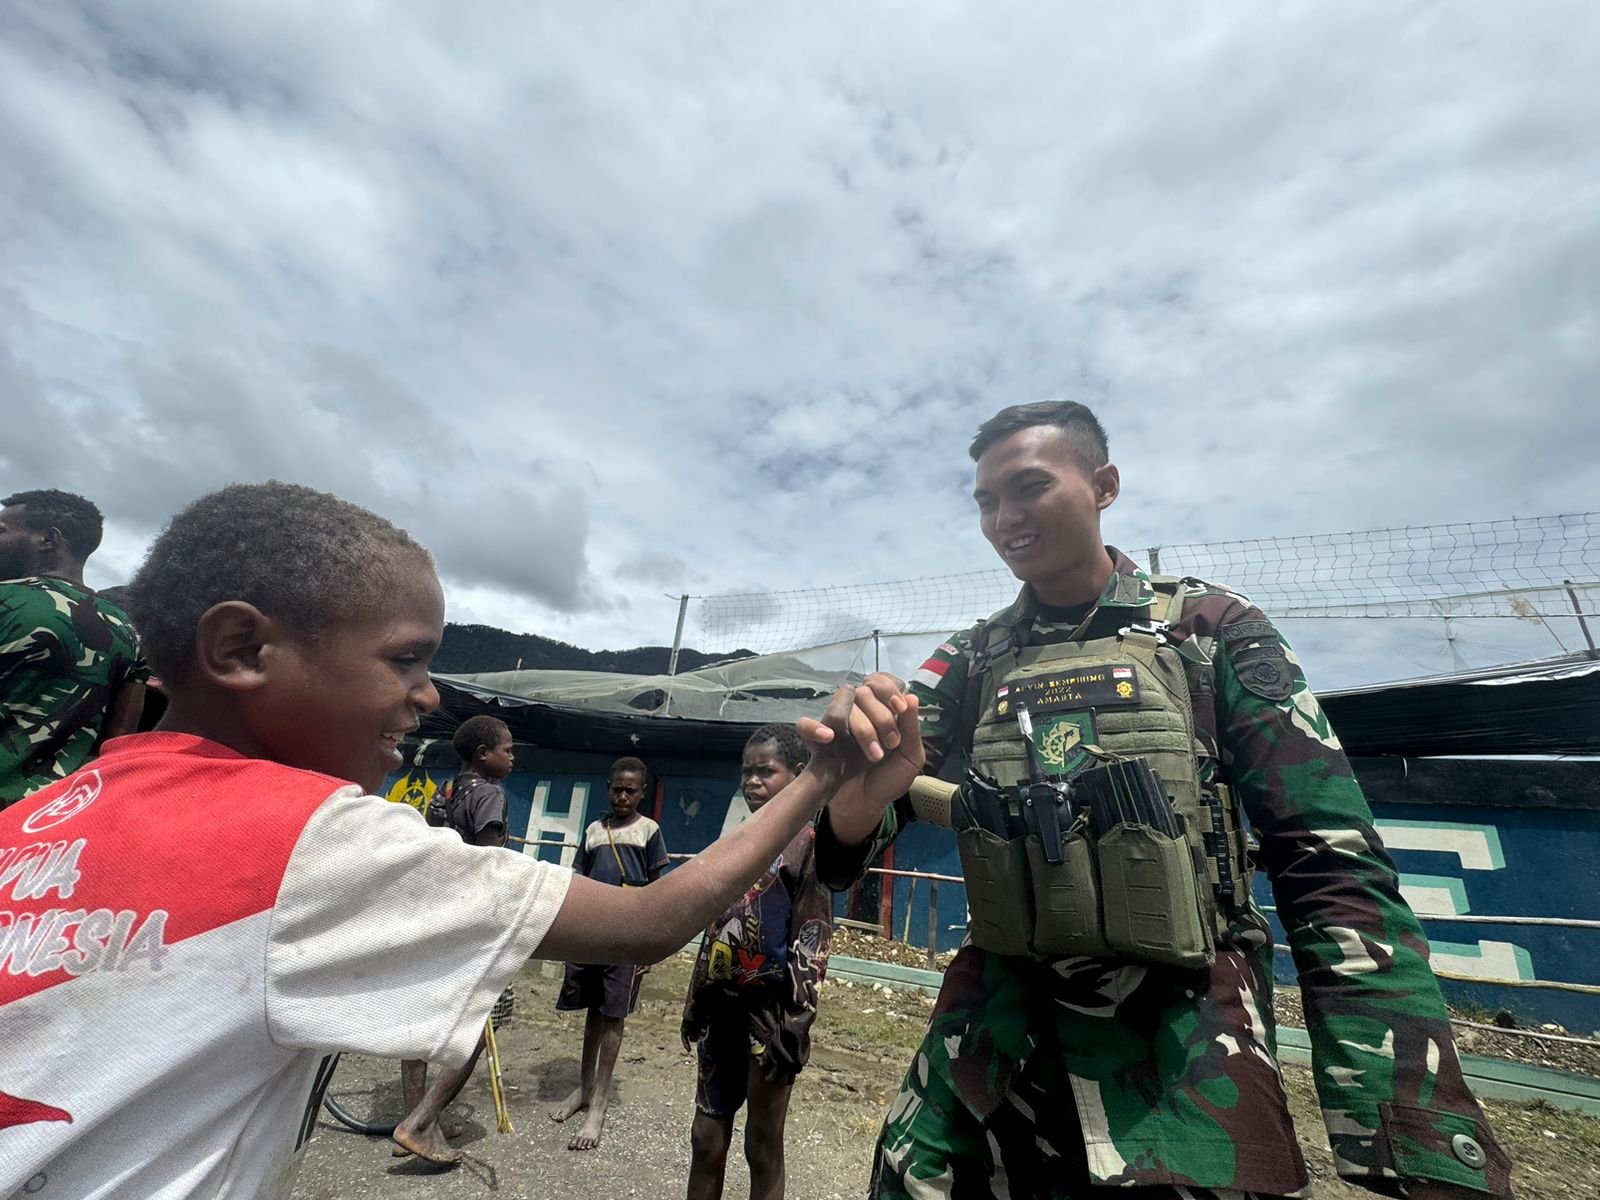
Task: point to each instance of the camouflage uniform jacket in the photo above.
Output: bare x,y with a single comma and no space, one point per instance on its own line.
64,653
1174,1076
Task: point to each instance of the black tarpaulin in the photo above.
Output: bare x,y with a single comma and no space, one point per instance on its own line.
1547,707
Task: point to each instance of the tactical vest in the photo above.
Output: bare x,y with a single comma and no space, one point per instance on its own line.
1133,892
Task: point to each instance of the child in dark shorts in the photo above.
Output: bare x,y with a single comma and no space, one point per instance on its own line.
475,807
753,995
624,849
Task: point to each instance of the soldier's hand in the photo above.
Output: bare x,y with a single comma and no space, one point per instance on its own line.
857,806
870,730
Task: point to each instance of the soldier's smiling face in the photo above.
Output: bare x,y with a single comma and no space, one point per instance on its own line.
1039,504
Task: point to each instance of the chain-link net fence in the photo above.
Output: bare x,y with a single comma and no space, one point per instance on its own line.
1469,594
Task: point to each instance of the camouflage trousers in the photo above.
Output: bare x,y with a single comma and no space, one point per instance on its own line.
933,1148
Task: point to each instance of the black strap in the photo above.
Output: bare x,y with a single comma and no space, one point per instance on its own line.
466,786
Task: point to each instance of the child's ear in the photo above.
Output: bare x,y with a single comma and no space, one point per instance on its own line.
228,644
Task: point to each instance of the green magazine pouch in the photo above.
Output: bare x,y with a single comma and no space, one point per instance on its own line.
1150,898
999,900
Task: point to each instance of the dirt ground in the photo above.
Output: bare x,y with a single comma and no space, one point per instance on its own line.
863,1041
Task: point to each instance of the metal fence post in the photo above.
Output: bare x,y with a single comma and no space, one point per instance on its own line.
1572,594
677,644
933,923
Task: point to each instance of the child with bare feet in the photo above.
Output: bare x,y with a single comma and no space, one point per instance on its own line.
624,848
476,810
222,902
753,995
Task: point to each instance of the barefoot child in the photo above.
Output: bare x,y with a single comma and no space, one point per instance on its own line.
476,810
192,921
621,849
754,991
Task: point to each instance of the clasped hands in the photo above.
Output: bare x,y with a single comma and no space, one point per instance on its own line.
867,747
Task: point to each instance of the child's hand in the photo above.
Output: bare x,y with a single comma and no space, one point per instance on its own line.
869,734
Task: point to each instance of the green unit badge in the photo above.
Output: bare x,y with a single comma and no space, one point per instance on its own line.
1062,740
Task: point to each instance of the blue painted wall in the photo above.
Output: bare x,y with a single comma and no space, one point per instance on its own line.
1463,860
557,794
1505,862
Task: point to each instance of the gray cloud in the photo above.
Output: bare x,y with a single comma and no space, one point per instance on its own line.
674,301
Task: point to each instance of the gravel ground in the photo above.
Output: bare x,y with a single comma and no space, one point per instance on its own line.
863,1040
865,945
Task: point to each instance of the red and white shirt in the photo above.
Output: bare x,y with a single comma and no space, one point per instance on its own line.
185,932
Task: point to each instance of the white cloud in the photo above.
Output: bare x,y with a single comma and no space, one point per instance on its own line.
604,302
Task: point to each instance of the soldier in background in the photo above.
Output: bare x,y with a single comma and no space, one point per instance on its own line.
1101,1040
71,675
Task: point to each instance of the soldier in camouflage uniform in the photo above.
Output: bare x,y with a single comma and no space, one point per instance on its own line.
70,670
1046,1077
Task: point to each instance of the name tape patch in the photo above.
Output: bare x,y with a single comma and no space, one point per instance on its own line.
1244,631
1113,685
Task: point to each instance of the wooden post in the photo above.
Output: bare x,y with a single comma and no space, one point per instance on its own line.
886,896
933,923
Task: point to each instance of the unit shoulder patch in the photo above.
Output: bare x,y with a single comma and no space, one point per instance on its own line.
1265,671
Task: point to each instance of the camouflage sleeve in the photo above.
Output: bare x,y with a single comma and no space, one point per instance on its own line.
132,667
1396,1105
30,631
939,686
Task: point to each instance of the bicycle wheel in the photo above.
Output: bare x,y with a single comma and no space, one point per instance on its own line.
364,1094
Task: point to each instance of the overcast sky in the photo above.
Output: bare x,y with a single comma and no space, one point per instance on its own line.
609,301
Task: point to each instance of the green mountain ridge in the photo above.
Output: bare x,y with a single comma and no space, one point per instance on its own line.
468,649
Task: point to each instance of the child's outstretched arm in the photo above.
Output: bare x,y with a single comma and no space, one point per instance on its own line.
868,734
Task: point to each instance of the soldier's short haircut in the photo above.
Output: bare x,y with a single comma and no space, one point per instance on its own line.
301,556
789,746
630,763
78,519
1080,425
481,732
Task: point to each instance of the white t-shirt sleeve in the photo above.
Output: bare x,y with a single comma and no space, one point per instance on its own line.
393,938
